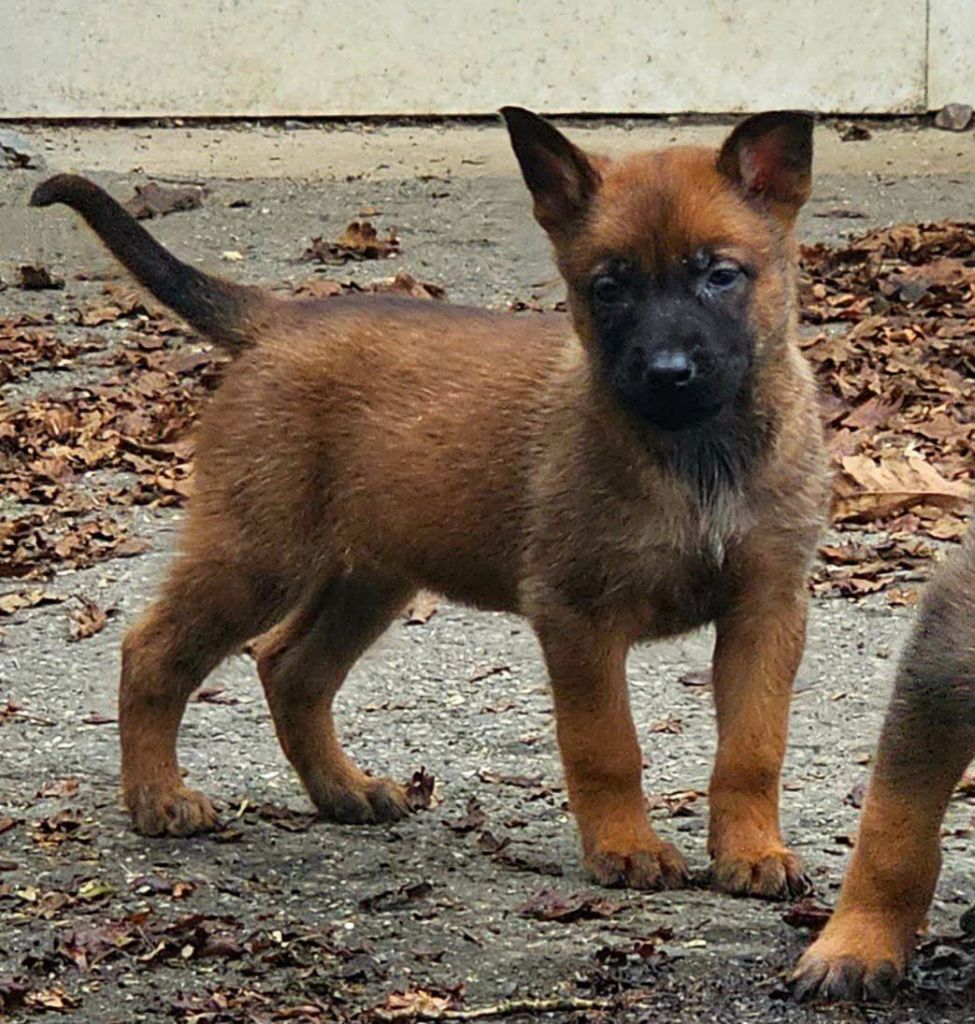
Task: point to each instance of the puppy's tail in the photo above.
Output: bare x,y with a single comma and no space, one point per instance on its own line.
224,311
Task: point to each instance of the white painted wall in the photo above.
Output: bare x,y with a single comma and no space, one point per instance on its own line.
951,52
94,58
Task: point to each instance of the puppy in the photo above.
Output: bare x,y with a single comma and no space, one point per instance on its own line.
651,463
927,742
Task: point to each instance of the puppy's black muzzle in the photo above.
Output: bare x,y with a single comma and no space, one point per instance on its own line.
672,388
673,358
670,370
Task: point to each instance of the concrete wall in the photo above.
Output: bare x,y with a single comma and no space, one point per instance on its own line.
951,52
78,58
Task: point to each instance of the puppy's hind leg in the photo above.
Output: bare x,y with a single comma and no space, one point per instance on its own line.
302,664
208,607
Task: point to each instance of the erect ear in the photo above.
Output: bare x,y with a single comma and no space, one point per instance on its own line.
769,157
560,177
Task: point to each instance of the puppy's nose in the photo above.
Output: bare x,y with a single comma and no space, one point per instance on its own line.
669,368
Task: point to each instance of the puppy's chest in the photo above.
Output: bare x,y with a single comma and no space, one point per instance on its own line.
674,575
686,590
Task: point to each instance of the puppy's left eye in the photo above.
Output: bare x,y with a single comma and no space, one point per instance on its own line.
608,290
723,275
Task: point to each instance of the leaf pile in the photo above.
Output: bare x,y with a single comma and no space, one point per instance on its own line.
72,460
894,360
24,347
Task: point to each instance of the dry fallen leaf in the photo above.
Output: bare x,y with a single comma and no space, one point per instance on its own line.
215,695
677,804
10,603
31,277
402,284
548,905
407,284
419,1003
419,790
97,718
90,619
359,241
320,288
696,677
54,998
895,369
391,899
518,781
966,785
475,818
807,913
59,788
152,200
877,488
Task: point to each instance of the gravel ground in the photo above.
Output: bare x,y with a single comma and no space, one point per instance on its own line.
292,913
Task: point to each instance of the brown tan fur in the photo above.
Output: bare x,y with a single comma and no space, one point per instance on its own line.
928,741
361,449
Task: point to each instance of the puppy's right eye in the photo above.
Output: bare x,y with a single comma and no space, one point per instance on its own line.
608,291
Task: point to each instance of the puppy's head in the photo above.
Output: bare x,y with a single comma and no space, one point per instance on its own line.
679,263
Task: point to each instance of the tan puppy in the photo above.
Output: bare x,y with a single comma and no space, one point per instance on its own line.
649,464
928,741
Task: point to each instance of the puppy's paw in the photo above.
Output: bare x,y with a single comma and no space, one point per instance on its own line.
858,957
772,874
654,866
365,801
169,810
848,979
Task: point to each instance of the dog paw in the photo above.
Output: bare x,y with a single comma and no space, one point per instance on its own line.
856,959
661,866
170,811
845,979
774,874
367,802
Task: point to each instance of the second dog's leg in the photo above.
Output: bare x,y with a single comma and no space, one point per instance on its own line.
601,758
927,741
759,646
302,664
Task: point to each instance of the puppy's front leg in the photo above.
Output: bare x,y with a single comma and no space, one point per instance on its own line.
927,741
601,757
759,646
